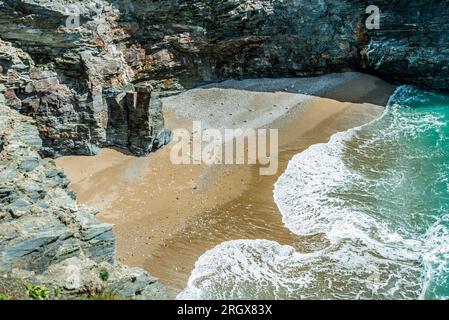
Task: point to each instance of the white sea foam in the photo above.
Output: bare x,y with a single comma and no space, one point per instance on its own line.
261,269
436,261
318,193
365,190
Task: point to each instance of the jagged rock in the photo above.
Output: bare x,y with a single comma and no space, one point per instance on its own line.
202,40
136,121
75,275
42,229
18,207
15,66
135,283
213,40
85,68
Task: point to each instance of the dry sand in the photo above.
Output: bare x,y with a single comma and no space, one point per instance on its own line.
166,215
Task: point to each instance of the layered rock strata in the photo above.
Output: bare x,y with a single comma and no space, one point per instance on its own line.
73,73
202,40
45,237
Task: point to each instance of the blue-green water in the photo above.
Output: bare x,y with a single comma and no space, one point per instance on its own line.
402,163
378,193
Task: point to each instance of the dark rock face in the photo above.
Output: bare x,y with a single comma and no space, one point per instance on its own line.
212,40
81,70
412,45
202,40
136,122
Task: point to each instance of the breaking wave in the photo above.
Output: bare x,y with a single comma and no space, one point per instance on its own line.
379,194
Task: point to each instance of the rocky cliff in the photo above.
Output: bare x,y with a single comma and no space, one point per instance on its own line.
45,237
84,57
200,40
74,77
66,90
411,45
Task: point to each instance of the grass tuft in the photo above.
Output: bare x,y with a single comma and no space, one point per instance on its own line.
37,292
104,274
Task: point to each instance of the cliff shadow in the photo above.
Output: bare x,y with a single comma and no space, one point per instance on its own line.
351,87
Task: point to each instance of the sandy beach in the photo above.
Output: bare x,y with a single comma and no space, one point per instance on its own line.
167,215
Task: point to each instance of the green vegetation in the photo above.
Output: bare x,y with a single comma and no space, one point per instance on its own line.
52,162
19,289
104,274
37,292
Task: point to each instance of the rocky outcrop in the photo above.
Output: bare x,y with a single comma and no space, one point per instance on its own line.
411,45
202,40
90,54
66,91
76,76
15,66
80,75
212,40
45,237
135,121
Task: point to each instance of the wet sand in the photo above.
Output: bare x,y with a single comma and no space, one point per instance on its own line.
166,215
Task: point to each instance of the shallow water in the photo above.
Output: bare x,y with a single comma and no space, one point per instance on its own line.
373,202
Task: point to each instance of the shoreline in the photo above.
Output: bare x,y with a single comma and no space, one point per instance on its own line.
166,216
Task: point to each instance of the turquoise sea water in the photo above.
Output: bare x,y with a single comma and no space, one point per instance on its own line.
378,193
